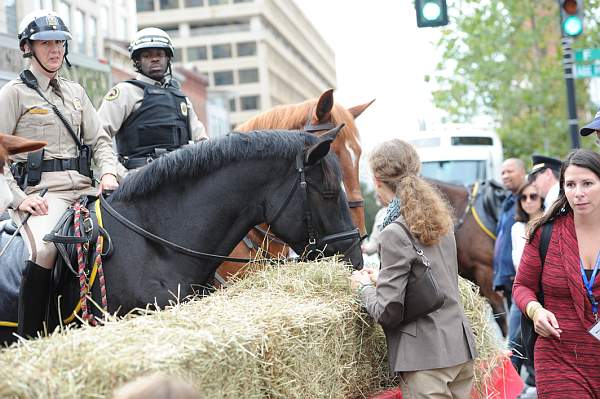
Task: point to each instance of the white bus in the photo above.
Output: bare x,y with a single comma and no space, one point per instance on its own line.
460,154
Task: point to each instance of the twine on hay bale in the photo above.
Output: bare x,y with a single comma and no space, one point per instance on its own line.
295,331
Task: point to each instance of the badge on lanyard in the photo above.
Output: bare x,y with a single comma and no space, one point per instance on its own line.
595,331
589,285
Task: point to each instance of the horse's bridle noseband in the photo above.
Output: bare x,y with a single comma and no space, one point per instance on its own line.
313,241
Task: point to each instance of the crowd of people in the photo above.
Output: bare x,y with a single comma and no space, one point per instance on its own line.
558,293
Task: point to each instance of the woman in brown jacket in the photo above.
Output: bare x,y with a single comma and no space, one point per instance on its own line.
434,354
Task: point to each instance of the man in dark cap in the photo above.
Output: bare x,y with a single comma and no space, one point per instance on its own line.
592,127
544,176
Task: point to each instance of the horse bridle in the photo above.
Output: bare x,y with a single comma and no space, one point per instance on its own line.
309,127
313,243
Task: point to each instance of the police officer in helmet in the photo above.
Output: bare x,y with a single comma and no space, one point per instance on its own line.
149,115
30,107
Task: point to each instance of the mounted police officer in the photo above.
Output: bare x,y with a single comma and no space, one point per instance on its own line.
149,115
41,105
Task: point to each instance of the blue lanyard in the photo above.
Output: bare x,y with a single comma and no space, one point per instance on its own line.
590,284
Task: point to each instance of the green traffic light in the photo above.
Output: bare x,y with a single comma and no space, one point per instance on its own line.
572,26
431,11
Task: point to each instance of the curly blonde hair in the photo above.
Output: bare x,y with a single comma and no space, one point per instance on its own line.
428,216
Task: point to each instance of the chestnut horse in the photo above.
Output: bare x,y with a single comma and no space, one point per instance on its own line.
315,116
474,245
10,145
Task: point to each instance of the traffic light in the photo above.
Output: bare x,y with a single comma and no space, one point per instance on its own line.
431,13
571,17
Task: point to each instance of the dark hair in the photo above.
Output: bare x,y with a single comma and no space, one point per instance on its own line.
520,214
583,158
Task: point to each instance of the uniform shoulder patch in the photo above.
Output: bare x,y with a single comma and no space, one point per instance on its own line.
113,94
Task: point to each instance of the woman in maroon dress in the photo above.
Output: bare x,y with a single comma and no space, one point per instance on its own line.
567,356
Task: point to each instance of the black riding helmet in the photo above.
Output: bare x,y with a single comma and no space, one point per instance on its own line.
43,25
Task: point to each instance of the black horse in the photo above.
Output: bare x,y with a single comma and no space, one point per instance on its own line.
206,197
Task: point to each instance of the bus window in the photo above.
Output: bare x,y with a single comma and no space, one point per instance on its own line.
471,140
461,172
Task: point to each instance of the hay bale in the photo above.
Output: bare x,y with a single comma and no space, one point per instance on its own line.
292,332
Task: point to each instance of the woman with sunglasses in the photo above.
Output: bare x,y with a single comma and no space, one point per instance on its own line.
530,205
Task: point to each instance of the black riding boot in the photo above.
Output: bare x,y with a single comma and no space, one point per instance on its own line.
33,299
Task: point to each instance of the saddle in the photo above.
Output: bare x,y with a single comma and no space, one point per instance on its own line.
489,196
66,267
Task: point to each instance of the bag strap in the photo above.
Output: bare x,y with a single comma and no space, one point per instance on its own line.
31,82
543,248
412,241
545,241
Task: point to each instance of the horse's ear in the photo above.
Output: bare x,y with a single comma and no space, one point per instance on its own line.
17,145
358,109
316,152
324,106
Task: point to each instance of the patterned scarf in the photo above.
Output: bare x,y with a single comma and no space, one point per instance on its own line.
393,212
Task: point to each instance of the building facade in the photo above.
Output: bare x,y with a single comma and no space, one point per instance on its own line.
256,54
90,22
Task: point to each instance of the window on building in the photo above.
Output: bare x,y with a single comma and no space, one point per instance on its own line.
197,53
172,31
144,5
10,10
246,49
124,29
64,10
178,56
249,103
232,105
194,3
169,4
78,26
217,2
39,4
248,75
104,21
221,51
94,36
223,78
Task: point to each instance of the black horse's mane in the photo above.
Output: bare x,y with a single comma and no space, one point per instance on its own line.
211,155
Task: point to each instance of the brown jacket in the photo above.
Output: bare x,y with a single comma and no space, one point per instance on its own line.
441,339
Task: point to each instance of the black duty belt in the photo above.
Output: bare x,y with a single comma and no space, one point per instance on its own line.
59,165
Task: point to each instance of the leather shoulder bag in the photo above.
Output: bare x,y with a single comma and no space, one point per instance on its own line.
422,293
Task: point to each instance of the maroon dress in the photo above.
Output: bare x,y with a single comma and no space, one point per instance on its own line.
568,367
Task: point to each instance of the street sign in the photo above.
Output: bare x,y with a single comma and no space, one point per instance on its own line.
586,70
587,54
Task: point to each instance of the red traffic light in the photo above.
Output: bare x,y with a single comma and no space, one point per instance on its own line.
569,6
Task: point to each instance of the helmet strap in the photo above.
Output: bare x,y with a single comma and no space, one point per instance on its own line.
138,67
42,65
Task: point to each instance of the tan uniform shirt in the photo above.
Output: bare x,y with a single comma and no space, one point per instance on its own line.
25,113
125,98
